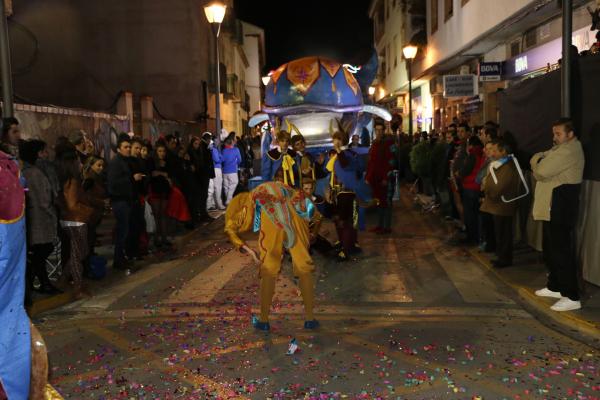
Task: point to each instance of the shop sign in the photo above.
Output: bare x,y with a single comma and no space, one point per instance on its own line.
490,71
460,85
545,55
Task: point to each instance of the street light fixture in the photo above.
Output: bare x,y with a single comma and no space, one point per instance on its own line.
215,13
265,80
371,90
410,52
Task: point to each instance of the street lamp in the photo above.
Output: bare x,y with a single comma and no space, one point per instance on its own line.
371,90
265,80
215,12
409,52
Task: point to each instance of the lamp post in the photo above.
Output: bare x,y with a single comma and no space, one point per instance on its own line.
7,89
409,52
215,12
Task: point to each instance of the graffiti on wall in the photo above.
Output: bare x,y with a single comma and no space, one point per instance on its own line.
48,124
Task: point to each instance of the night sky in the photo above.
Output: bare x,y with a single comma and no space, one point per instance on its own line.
339,29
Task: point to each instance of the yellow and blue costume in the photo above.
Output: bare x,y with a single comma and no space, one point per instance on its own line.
281,216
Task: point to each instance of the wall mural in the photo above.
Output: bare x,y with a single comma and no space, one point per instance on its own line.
49,123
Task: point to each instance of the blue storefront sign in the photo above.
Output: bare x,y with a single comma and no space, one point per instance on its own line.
544,55
490,71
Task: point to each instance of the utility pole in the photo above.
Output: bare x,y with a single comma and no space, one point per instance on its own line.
567,62
7,88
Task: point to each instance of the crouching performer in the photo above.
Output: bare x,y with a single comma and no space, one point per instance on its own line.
281,216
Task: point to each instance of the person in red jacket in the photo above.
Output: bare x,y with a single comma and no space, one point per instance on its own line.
380,176
471,189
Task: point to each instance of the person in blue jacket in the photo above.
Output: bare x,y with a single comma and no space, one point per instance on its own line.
282,158
215,189
232,159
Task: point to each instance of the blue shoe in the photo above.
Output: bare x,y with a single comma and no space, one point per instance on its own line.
314,324
261,326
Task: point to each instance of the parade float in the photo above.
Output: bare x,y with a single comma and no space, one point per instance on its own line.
312,96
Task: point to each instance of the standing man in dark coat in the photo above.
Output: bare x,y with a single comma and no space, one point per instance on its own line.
120,182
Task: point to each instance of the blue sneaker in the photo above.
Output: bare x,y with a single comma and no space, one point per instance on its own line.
261,326
314,324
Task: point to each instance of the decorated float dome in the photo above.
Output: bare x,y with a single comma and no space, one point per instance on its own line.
313,81
312,96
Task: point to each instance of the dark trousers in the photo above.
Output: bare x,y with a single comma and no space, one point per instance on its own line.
471,206
203,184
347,234
503,227
36,266
192,197
385,216
559,257
488,235
122,212
137,225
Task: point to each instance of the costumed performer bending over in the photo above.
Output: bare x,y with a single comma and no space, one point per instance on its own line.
281,215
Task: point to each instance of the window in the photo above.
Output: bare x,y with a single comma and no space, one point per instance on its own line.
434,16
531,38
383,64
448,9
515,48
389,55
395,44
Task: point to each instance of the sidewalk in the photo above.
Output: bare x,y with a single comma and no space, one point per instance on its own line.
528,275
43,303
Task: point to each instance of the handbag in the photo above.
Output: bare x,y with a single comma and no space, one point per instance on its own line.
149,218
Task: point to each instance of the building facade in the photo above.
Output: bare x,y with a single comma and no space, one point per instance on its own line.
87,54
489,44
254,47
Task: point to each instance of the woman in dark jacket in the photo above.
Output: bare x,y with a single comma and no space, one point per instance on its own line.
95,196
191,188
41,219
160,188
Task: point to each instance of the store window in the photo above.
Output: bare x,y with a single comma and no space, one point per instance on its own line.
448,9
434,15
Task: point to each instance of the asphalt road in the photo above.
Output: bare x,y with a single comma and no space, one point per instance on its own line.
410,318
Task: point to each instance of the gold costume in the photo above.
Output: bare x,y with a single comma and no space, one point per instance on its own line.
282,222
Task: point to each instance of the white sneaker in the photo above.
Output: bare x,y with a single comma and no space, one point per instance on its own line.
545,292
566,304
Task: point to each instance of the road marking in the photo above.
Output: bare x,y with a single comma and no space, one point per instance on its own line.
104,299
472,282
205,286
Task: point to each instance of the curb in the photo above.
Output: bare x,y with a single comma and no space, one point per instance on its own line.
51,303
566,320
